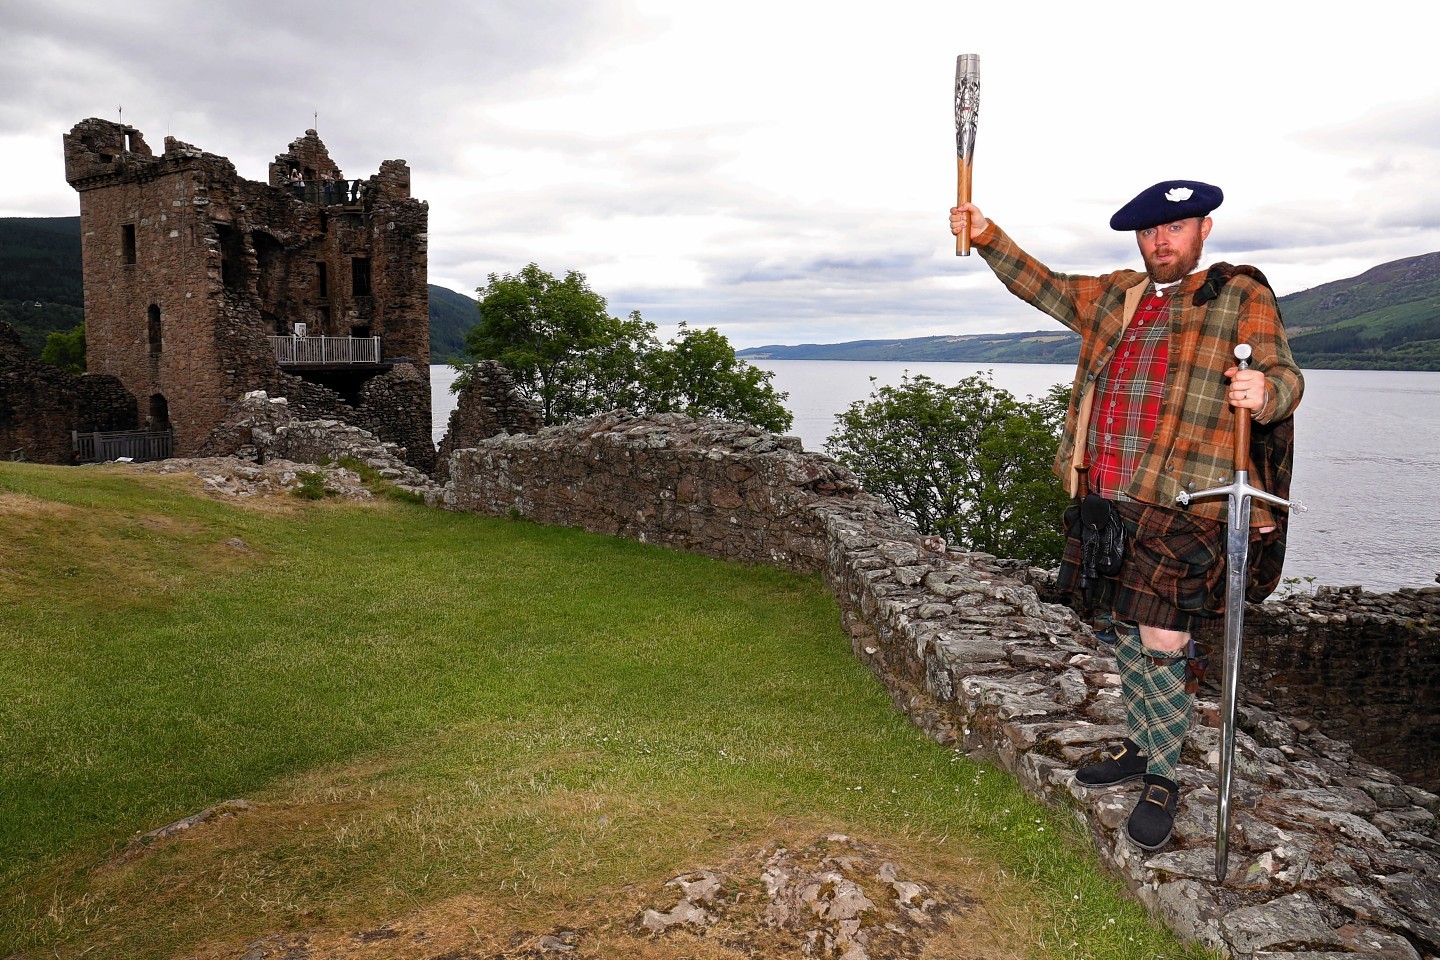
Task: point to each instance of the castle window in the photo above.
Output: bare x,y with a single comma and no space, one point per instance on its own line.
322,278
127,242
159,416
156,341
360,276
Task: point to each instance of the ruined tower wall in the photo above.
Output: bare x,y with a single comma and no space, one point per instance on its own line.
152,267
190,269
399,267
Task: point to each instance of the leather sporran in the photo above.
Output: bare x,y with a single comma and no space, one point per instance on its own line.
1102,539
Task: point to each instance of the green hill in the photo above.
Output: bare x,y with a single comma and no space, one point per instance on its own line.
1388,318
1036,346
40,260
451,316
40,288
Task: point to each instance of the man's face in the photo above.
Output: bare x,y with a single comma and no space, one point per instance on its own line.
1172,250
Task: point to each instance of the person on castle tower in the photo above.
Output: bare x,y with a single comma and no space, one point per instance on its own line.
1151,415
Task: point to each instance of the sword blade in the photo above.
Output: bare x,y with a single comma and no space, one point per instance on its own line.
1237,552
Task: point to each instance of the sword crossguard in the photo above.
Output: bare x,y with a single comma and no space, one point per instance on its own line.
1241,488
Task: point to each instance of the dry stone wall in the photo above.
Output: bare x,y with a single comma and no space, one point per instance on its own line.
720,489
1365,667
1331,855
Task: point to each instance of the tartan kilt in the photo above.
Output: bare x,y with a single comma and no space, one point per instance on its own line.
1173,574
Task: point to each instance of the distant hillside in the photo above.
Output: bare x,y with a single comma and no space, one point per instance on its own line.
1040,346
451,316
40,260
41,290
1388,318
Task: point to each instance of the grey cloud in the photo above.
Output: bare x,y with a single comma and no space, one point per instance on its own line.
1413,125
831,270
268,69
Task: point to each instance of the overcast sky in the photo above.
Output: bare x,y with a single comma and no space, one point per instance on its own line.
779,170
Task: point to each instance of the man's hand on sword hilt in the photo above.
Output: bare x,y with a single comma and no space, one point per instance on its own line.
1241,487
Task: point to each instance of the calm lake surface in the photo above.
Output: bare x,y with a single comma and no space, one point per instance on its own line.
1367,455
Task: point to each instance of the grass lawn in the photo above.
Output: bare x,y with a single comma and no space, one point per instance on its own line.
469,727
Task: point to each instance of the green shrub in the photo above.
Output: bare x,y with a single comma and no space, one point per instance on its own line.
311,486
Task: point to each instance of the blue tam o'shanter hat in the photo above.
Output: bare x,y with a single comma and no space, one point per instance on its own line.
1167,202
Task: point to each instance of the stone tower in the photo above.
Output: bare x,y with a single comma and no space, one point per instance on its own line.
201,285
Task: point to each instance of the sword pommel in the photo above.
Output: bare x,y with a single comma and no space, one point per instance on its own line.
1242,416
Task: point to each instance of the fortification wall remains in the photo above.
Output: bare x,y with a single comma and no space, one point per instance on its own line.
488,406
720,489
1330,855
40,404
262,428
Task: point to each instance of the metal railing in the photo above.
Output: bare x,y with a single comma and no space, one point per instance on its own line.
139,445
328,193
325,350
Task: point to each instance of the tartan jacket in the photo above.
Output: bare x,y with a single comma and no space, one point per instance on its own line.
1193,445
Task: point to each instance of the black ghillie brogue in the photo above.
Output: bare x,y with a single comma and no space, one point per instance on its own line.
1153,819
1123,762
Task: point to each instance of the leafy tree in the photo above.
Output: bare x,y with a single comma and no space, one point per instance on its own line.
614,372
968,461
541,329
568,354
66,350
698,374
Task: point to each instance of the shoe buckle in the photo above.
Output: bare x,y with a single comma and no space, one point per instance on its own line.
1164,792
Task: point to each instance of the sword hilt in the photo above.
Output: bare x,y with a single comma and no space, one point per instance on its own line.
1240,487
1242,415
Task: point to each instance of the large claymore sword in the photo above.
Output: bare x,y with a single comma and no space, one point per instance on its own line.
1237,551
967,112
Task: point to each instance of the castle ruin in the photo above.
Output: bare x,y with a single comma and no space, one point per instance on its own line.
201,286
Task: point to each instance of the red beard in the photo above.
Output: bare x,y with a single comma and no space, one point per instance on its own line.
1180,265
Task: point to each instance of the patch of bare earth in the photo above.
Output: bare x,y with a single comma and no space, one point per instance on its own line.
834,896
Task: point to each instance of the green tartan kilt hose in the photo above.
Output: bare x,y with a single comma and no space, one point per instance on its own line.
1173,574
